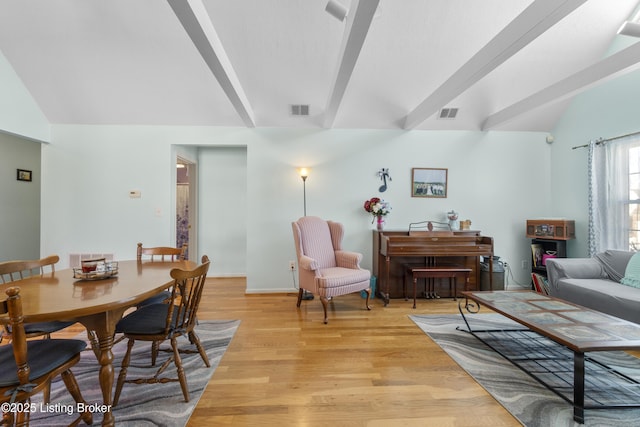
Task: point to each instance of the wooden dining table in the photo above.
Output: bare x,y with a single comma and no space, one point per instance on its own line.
96,304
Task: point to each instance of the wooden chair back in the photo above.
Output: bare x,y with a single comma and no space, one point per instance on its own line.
186,295
180,320
162,253
34,378
13,307
19,269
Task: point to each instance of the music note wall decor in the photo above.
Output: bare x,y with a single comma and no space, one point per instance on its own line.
383,174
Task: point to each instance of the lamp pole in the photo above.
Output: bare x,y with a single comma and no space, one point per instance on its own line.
304,194
304,174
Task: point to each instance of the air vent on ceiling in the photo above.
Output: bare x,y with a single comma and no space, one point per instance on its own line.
448,113
300,109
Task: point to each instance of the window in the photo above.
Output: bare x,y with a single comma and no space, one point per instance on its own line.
634,198
614,194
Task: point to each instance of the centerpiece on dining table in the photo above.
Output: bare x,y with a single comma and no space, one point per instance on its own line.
95,269
378,208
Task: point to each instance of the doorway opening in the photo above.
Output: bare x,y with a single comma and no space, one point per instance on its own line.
186,206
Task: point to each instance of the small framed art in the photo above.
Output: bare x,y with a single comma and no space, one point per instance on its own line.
24,175
429,182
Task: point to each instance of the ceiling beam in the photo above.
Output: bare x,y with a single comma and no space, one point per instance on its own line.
526,27
357,26
619,63
194,18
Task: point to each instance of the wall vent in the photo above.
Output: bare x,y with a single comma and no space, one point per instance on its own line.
448,113
299,109
74,259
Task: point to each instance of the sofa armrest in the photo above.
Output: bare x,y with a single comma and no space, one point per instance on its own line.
348,259
573,268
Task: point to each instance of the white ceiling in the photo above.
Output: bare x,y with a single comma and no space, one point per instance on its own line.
506,64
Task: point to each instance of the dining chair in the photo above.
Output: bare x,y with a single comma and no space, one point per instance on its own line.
16,270
35,363
162,254
166,321
323,267
19,269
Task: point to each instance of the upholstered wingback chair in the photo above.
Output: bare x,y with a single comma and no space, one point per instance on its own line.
323,267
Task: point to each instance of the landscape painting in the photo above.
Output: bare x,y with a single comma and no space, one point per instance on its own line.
429,182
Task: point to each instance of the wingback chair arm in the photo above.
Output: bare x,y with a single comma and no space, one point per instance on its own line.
307,263
348,259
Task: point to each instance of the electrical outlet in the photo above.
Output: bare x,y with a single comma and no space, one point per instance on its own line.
505,265
524,264
292,265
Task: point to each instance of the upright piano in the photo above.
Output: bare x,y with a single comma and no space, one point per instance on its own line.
393,249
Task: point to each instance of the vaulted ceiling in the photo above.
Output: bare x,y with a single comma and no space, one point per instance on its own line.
390,64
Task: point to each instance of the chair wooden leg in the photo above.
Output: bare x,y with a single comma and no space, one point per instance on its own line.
193,337
21,419
181,376
7,419
72,385
46,393
366,303
123,372
155,346
325,303
300,292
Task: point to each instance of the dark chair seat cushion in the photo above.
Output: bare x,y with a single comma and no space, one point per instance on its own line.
43,357
156,299
148,320
46,327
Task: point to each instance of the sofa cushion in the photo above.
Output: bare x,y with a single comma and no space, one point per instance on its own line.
601,295
614,263
632,272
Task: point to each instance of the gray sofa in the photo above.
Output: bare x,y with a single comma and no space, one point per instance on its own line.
595,283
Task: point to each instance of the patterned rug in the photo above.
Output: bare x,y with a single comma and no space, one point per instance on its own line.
143,404
526,399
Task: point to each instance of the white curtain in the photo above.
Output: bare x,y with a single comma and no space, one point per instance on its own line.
609,194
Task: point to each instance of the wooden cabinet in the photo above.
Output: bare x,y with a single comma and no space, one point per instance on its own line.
542,249
551,229
548,239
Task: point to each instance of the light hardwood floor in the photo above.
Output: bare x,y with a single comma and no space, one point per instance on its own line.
285,367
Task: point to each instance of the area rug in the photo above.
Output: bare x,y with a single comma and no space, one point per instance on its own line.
143,404
527,400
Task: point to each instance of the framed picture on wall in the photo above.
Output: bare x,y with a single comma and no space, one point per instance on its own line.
429,182
24,175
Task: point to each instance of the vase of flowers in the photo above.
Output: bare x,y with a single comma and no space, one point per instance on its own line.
378,208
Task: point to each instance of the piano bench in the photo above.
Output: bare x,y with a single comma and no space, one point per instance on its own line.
452,272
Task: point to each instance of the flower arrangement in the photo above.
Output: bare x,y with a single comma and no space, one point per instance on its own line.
377,207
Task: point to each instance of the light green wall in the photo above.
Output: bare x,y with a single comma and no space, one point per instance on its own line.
91,169
19,113
20,207
605,111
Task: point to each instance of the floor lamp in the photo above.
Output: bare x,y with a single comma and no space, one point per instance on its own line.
304,174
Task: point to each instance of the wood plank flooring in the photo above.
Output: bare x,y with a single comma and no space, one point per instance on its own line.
285,367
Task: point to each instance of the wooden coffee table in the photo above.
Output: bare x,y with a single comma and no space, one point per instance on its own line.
552,346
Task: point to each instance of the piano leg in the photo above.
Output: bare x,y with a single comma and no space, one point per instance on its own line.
383,294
